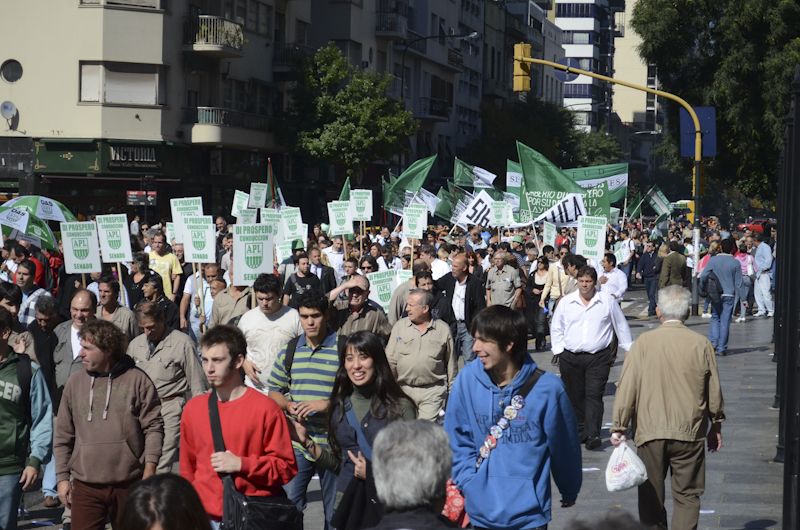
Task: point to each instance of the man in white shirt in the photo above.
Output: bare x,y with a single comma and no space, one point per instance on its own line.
586,327
612,280
627,246
209,272
335,254
267,328
438,267
387,260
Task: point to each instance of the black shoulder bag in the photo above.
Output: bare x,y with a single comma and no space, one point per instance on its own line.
244,512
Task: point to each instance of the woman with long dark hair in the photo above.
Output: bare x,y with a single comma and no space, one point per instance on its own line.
366,397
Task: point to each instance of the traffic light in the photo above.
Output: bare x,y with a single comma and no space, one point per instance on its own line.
522,70
702,180
690,216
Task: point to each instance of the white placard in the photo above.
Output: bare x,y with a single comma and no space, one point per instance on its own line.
240,200
81,250
115,239
186,207
549,234
199,239
501,214
292,223
258,195
246,217
415,220
271,216
477,212
252,252
340,217
591,237
284,250
381,286
361,204
173,235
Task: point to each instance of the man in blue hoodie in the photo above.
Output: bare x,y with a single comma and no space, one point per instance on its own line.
505,445
729,272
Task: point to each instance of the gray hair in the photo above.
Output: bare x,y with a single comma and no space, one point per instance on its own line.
150,233
501,254
673,301
142,261
426,299
411,461
47,305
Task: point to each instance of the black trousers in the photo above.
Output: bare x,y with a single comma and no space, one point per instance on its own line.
585,376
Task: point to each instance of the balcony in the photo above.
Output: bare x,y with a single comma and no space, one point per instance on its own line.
213,36
432,109
421,46
495,89
391,26
288,53
455,59
231,128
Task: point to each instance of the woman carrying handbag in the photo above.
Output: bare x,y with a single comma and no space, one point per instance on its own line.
365,398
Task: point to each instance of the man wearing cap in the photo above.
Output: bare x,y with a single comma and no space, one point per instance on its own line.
335,254
517,250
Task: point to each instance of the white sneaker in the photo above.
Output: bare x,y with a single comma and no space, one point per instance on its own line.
770,315
706,315
741,319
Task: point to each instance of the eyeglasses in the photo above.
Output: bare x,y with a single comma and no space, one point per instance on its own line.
366,267
565,253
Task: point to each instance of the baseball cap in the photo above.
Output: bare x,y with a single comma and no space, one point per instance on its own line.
517,239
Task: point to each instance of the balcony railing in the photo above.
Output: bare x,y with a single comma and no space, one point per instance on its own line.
455,59
205,29
152,4
391,23
286,53
228,117
436,108
421,46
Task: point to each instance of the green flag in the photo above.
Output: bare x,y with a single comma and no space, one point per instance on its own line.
658,201
345,194
274,193
445,207
636,206
543,184
393,198
615,175
413,177
661,229
596,201
472,176
458,193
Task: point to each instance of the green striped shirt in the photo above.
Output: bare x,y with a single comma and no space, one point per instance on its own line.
313,373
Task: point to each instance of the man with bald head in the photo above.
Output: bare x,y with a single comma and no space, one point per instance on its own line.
356,314
503,285
466,294
82,309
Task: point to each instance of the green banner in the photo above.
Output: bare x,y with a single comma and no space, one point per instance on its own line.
615,175
596,201
543,184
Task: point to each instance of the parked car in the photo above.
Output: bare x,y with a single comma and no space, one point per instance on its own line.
757,225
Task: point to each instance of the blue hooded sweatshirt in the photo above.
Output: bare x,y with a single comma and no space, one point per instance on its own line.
511,489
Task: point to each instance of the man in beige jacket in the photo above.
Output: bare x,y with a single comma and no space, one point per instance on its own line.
670,376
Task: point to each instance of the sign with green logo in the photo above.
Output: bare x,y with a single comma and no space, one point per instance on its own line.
186,207
292,223
614,216
271,216
340,217
591,236
549,234
381,287
252,252
199,239
240,200
361,204
258,195
81,250
115,243
284,251
415,220
500,214
246,217
174,236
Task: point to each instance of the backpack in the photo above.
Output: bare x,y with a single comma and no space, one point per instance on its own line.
24,376
291,346
711,288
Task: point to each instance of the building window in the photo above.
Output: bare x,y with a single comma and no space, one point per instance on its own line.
586,64
123,83
579,37
301,32
578,91
11,71
575,10
254,15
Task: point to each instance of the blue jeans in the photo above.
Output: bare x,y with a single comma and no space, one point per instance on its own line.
627,270
744,292
721,314
464,342
651,285
296,488
49,481
10,493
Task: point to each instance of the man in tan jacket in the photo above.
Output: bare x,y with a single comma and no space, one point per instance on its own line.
670,376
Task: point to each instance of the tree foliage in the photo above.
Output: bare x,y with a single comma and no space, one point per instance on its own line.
342,115
738,56
596,149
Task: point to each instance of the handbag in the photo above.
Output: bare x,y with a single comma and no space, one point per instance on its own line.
248,512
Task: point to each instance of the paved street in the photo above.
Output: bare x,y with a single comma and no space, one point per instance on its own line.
743,484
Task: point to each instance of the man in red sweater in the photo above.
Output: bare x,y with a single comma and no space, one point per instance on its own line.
259,453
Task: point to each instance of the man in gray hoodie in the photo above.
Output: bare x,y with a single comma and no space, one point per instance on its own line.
108,437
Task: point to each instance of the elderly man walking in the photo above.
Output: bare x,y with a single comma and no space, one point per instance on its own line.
503,285
670,389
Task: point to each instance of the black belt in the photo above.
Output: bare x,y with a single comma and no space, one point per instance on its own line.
611,346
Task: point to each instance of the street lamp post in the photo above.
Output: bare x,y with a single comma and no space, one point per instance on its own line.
403,73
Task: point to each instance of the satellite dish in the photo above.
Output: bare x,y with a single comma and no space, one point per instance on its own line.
8,110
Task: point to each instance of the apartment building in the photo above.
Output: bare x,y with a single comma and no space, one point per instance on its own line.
178,96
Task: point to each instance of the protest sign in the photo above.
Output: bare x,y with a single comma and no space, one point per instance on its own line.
240,200
186,207
501,214
271,216
620,255
381,286
199,239
81,250
549,234
292,223
591,237
258,195
477,212
597,201
340,217
173,235
115,242
614,217
252,252
361,204
415,220
284,250
565,212
246,217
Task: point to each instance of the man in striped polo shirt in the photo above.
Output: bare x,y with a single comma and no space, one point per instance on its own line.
302,387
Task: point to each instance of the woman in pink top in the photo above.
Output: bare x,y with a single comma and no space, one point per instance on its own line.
747,262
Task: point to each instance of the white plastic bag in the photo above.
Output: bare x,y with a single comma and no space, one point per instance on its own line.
625,470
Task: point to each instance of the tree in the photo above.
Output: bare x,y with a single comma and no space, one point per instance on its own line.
738,56
596,149
342,115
